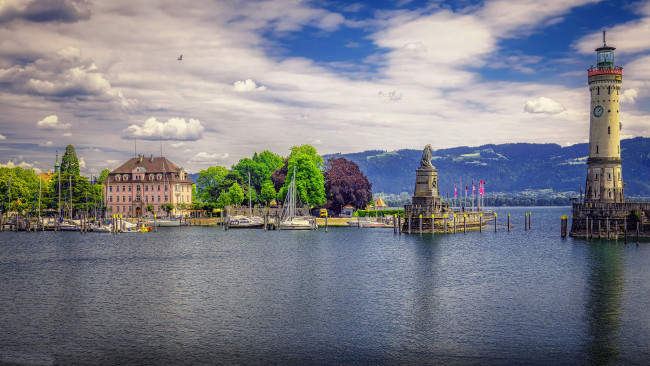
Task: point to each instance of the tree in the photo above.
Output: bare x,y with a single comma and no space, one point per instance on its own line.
279,176
236,194
167,207
309,151
272,161
103,175
223,200
69,161
149,208
207,181
310,184
24,186
252,195
345,184
268,193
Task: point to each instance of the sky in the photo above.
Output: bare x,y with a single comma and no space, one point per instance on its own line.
342,76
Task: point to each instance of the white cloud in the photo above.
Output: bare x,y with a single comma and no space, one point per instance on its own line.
22,164
82,163
392,95
173,129
204,157
629,96
246,86
3,137
52,123
178,144
544,105
67,134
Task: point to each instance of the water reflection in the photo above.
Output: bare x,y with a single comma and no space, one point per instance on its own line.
603,306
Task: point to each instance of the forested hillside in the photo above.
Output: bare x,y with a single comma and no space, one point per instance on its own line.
543,170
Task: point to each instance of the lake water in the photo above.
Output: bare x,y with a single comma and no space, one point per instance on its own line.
201,295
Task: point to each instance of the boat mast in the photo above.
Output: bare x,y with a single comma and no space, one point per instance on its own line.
70,180
250,205
39,198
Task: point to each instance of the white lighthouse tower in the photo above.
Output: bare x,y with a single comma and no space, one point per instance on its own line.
604,176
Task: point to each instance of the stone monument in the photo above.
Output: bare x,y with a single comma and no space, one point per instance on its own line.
426,181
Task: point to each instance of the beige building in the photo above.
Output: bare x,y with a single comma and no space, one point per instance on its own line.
604,175
146,181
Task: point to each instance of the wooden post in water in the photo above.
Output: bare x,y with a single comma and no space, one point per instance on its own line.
266,221
508,221
616,229
420,219
625,228
399,225
637,232
564,226
599,220
326,215
525,221
409,224
480,222
454,223
530,214
445,221
607,226
464,223
433,225
495,222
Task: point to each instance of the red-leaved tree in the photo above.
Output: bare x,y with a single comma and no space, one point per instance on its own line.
345,184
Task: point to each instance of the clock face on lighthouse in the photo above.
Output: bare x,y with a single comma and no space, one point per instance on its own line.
598,111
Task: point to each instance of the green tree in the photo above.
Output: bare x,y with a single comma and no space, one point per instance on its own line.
149,208
69,161
253,195
223,200
207,182
103,175
310,184
24,187
236,194
268,193
272,161
309,151
167,207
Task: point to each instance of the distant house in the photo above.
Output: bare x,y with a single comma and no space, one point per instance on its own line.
46,177
347,211
147,181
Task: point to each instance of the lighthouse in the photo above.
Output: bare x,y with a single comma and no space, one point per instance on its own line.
604,175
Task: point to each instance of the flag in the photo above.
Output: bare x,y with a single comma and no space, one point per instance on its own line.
455,192
473,188
465,191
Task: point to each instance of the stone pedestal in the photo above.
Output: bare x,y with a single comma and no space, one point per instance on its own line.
426,186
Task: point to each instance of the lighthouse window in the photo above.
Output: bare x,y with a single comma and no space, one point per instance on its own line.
596,149
610,194
596,176
609,90
598,90
609,130
609,176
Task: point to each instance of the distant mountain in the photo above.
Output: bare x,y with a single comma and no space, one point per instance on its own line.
544,170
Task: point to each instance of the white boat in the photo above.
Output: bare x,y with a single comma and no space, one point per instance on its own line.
289,220
244,222
165,223
366,224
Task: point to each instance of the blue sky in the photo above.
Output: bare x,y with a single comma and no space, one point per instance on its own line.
267,75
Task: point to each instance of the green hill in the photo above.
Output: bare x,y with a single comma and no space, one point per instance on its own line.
541,170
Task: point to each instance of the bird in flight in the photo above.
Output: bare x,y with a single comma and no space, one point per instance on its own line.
180,58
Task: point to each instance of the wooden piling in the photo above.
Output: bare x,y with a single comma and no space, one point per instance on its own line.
525,221
599,220
495,222
445,221
563,226
464,223
326,215
454,223
530,214
420,219
508,221
607,227
480,227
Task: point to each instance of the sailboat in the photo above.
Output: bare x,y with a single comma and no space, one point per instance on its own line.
289,220
250,222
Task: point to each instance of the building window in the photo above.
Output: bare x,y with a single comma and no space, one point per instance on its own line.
146,187
146,198
129,188
619,176
130,198
165,188
159,187
124,208
158,198
110,188
137,188
126,177
609,176
596,176
596,149
118,208
123,198
110,198
117,198
609,130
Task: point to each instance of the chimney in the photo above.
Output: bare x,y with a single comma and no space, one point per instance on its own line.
151,159
141,158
